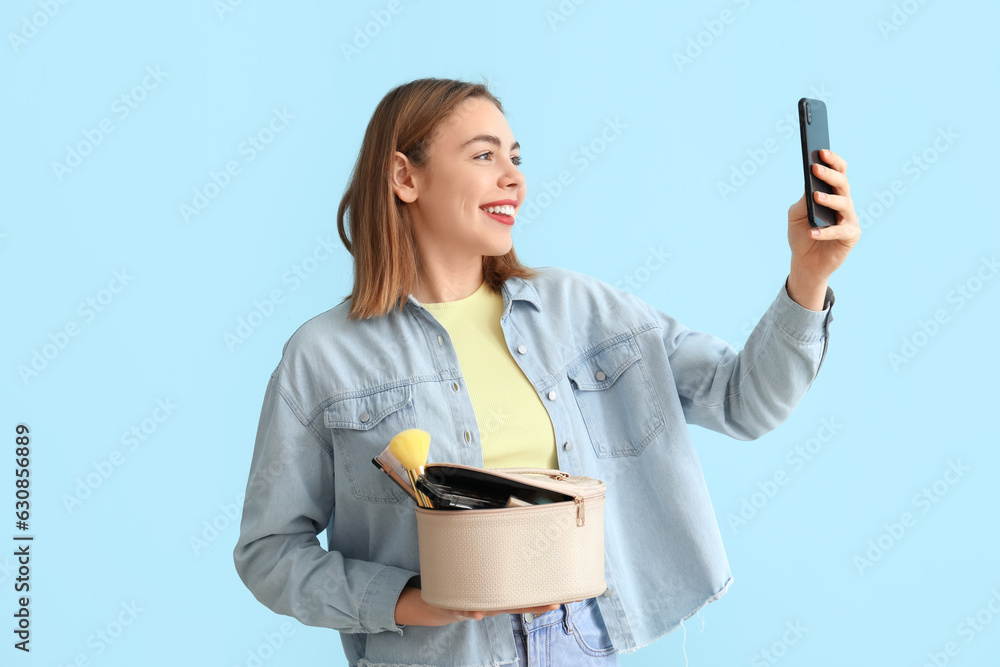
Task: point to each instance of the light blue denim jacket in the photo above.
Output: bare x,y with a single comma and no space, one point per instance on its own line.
620,381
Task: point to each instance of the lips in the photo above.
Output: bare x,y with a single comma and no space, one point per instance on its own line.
500,217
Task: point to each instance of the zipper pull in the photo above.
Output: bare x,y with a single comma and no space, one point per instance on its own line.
579,510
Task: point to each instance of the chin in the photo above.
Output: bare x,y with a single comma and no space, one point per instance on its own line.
499,251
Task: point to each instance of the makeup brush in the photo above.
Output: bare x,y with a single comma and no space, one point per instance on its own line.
410,448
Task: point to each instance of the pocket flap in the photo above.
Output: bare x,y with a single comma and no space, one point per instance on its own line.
363,412
601,369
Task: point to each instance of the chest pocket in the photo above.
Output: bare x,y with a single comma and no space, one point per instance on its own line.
617,399
362,427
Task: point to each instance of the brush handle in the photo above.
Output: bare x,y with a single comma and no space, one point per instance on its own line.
422,499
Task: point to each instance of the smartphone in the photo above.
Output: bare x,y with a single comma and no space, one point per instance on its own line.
815,135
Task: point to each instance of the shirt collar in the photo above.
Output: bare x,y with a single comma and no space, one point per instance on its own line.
520,289
514,289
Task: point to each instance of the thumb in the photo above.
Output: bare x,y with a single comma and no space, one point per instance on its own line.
798,209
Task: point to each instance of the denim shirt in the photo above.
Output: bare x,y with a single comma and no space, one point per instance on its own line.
620,381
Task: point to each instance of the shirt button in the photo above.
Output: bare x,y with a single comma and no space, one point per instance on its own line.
600,376
568,446
468,437
522,349
365,417
552,395
440,340
608,593
454,385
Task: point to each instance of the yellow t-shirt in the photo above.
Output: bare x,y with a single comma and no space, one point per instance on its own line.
513,425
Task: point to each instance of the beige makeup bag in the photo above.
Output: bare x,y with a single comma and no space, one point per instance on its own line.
515,557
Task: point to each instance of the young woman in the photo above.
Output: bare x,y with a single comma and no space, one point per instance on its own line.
504,366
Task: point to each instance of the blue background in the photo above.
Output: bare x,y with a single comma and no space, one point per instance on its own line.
561,71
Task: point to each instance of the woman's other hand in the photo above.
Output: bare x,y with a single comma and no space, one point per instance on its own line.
412,610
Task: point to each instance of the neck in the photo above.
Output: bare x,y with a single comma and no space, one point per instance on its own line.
441,284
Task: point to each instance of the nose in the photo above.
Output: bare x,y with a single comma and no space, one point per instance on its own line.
512,175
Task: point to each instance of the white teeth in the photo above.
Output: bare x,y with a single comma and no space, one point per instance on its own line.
507,209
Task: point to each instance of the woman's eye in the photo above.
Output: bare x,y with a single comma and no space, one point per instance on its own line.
516,159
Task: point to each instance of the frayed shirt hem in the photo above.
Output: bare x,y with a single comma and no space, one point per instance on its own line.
713,598
367,663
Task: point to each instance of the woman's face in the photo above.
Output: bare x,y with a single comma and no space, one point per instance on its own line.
471,162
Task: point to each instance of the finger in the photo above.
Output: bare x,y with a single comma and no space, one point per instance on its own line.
834,160
833,177
798,209
534,610
836,202
846,232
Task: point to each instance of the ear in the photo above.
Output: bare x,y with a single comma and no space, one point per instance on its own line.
401,172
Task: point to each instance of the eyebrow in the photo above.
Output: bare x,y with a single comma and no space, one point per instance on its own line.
488,138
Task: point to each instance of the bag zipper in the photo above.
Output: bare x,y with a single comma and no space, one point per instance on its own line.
578,500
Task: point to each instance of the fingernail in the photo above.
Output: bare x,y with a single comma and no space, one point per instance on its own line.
815,232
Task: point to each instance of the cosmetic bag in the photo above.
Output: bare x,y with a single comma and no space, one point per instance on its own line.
514,557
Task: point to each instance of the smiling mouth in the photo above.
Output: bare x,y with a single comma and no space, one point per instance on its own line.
500,217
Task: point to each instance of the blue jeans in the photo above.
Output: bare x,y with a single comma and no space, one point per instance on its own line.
571,636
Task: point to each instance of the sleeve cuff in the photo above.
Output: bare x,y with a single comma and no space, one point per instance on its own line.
802,324
378,607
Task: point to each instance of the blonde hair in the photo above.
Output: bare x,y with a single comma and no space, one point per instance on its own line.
381,239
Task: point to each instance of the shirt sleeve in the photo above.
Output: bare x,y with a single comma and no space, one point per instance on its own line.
747,394
289,501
